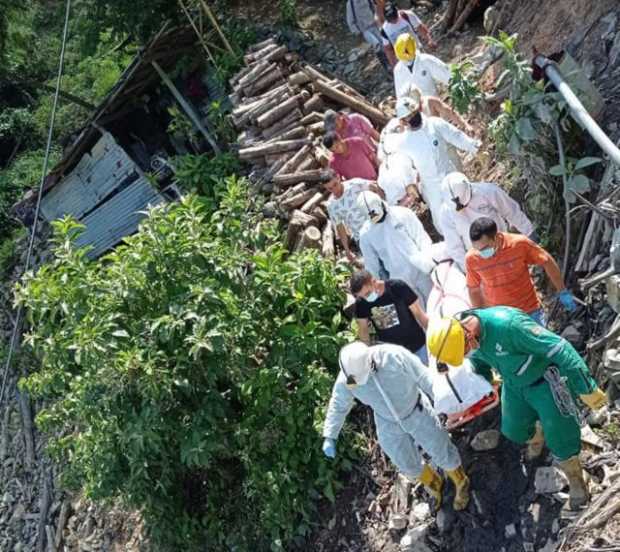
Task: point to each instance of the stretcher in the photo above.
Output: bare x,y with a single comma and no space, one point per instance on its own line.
459,393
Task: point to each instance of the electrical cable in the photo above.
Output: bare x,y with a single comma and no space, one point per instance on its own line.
17,324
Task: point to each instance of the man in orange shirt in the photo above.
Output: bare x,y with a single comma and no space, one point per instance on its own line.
498,271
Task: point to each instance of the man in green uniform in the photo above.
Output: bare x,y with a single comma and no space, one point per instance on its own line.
542,375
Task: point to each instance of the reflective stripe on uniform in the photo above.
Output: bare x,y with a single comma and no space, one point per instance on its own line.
555,348
525,365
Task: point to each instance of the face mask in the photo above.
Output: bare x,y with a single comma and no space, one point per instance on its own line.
487,252
375,218
415,121
457,204
372,297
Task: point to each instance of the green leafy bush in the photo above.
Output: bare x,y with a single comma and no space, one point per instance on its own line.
205,175
463,88
186,373
23,173
288,12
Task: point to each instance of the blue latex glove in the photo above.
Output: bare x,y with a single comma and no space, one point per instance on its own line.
329,447
534,237
567,300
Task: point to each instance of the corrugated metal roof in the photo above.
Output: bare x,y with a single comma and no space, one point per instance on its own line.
118,217
95,177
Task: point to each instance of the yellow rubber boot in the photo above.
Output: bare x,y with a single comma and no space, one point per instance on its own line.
578,488
536,444
461,482
433,483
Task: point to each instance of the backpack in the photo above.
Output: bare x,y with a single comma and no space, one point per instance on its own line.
405,16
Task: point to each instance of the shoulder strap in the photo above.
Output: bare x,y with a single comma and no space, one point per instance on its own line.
352,2
406,18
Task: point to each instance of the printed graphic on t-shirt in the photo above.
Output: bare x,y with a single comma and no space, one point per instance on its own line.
385,317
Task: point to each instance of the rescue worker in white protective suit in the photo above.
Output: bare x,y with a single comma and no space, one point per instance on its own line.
426,142
470,201
399,180
395,240
415,69
393,382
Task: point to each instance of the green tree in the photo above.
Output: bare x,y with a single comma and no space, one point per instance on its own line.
187,373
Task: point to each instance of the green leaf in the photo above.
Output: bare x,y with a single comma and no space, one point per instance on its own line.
557,170
587,162
579,183
525,129
514,145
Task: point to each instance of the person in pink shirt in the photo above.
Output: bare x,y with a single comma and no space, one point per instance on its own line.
350,125
351,157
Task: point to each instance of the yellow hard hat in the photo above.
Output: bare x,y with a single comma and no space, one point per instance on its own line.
405,47
445,340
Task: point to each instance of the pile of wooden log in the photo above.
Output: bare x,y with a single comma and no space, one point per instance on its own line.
278,109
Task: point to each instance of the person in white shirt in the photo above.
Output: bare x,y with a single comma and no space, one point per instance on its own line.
343,210
469,201
416,69
426,142
395,22
361,20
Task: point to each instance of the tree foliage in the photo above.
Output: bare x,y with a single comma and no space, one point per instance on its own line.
186,373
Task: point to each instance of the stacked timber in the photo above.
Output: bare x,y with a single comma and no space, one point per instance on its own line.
278,109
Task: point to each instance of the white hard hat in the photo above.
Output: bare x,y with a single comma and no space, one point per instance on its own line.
355,362
405,106
372,205
459,188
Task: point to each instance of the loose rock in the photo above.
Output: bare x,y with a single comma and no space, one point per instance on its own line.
549,480
486,440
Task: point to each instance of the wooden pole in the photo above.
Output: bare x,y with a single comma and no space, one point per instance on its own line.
185,105
210,15
362,107
197,31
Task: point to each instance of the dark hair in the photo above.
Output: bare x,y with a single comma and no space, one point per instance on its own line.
330,139
329,119
483,226
390,11
328,176
359,280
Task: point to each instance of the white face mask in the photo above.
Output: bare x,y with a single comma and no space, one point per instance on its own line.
372,296
487,252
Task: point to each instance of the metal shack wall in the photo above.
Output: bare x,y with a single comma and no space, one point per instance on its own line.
105,193
118,217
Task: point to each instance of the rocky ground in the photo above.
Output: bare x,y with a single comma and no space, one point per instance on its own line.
514,506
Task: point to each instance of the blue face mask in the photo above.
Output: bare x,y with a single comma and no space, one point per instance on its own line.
372,297
487,252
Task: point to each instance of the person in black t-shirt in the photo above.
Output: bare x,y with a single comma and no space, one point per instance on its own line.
393,309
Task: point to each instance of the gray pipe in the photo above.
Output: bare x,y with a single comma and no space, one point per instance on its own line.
578,112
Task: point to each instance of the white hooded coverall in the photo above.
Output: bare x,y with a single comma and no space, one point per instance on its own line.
396,174
428,147
404,380
424,72
404,247
487,200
